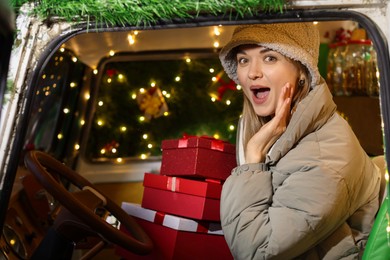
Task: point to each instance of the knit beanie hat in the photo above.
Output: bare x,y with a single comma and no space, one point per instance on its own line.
297,41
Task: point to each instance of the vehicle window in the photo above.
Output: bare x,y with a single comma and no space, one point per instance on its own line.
143,101
56,111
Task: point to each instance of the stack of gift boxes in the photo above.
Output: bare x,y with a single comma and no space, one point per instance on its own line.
180,205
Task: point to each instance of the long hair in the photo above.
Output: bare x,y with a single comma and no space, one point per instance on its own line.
252,122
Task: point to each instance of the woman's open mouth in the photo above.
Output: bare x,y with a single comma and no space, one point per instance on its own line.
260,94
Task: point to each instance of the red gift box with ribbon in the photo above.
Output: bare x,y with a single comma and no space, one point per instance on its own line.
177,237
205,188
181,204
198,157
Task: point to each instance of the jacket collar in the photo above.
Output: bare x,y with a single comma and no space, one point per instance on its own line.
311,114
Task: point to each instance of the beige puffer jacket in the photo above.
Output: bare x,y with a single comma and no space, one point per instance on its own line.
315,197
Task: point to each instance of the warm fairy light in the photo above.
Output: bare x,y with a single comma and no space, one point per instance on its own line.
188,60
141,118
145,136
100,103
143,156
87,96
387,176
113,150
142,90
76,147
211,70
228,102
59,136
167,95
123,128
216,44
217,32
150,146
164,92
100,122
74,59
238,87
103,151
177,79
111,53
43,76
119,160
66,110
109,80
62,49
315,22
135,32
232,127
73,84
216,136
95,71
214,79
153,84
166,113
133,96
121,77
131,39
213,99
82,122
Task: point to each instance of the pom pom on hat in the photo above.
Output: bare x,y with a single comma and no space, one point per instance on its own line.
297,41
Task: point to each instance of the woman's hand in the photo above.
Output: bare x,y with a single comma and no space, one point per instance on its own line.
262,141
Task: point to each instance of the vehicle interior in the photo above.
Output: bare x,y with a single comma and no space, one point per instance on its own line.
101,99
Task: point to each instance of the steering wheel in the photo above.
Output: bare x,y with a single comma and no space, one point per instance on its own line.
47,169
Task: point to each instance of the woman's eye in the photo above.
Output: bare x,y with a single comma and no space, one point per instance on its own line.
241,60
270,58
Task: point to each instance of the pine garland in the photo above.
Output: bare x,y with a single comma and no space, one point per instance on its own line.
146,12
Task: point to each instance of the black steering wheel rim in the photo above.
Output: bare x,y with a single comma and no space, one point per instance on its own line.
43,166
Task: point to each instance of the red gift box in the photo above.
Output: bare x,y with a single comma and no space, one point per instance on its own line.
199,157
204,188
177,238
181,204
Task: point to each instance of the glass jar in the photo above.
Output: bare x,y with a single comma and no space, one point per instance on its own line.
335,67
371,72
357,59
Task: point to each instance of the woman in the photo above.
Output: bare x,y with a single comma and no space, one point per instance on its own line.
304,187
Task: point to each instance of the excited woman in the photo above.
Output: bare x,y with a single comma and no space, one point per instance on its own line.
304,187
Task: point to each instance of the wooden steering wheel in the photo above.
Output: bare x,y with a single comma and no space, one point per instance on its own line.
47,169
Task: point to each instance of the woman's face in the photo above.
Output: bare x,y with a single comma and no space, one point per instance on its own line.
262,73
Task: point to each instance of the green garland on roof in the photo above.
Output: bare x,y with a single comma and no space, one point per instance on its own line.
146,12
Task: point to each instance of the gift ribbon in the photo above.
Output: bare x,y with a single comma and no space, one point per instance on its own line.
159,218
173,184
202,227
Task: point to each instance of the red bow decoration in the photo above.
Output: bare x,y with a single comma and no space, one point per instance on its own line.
225,86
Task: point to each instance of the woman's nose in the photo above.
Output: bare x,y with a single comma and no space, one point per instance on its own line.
255,72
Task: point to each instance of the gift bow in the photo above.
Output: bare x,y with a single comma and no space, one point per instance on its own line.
216,144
